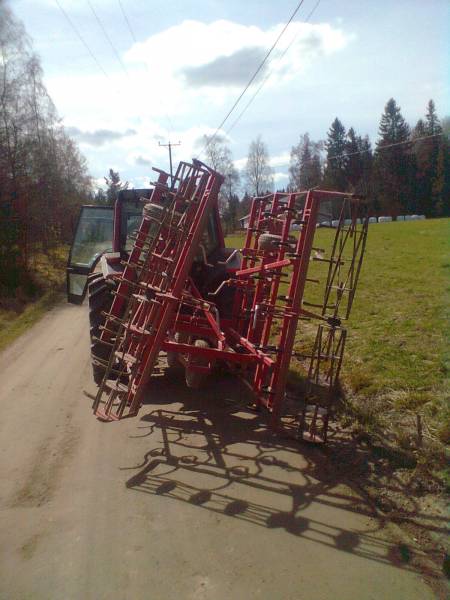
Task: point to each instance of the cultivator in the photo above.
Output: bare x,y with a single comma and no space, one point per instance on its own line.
288,298
152,285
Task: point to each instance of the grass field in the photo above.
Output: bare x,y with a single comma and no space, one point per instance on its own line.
40,292
396,357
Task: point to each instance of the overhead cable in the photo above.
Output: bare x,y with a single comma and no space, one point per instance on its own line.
270,74
82,40
134,38
385,147
253,77
108,39
127,21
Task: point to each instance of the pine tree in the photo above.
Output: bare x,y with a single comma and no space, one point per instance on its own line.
419,130
244,205
334,175
441,183
359,161
394,166
429,182
114,186
432,125
393,127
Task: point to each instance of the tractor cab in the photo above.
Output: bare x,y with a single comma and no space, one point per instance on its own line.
104,235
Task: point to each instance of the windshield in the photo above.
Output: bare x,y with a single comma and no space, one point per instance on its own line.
93,236
131,217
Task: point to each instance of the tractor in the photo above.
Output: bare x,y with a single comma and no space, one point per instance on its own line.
162,284
101,247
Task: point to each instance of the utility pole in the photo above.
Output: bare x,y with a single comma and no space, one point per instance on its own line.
170,146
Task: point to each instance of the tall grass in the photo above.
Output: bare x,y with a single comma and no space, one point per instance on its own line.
399,329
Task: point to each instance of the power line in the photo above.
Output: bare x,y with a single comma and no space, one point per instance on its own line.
134,38
270,74
82,40
105,33
418,139
127,21
255,74
347,154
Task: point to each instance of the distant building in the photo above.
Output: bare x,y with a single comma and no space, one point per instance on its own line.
244,221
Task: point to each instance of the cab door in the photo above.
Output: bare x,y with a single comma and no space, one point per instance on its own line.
93,237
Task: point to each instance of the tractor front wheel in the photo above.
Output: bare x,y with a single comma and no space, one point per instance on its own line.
100,300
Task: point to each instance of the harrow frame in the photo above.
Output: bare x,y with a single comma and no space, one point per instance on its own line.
158,307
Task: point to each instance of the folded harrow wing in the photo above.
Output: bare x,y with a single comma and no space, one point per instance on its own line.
287,298
152,285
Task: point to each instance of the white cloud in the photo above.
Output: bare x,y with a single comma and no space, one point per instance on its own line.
99,182
205,44
181,79
280,160
218,58
278,176
240,163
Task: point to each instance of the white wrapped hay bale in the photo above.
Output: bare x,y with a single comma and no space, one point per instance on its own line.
384,219
415,218
422,217
408,218
335,223
372,220
400,218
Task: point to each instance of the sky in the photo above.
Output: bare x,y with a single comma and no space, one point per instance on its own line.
150,71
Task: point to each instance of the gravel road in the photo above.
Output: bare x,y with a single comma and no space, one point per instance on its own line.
190,500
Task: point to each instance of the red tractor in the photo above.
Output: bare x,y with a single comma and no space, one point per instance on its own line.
169,286
102,244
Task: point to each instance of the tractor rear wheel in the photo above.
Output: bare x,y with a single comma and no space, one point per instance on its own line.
100,299
269,242
172,357
194,379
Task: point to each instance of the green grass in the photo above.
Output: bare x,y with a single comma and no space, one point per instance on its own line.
398,330
42,289
13,323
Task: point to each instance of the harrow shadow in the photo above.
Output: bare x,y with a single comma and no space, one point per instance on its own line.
209,450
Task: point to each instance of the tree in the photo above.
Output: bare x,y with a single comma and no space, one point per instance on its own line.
219,157
358,164
393,127
430,172
419,130
441,181
100,197
113,186
305,169
336,161
258,171
394,174
244,205
432,125
43,177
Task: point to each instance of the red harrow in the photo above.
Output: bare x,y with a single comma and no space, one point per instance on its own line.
290,298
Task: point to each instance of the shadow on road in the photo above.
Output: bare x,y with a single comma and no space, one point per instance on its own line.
207,449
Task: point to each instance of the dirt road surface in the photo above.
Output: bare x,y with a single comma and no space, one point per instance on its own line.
190,500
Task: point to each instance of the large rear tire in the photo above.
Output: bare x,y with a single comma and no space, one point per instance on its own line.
195,379
172,357
100,299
